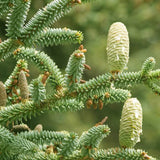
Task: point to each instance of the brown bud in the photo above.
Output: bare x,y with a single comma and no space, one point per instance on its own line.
100,103
95,105
49,149
27,75
82,49
95,96
45,77
79,55
89,102
82,81
14,82
107,95
10,94
14,90
87,67
144,154
16,51
26,70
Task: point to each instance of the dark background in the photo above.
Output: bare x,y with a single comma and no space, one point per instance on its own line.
142,20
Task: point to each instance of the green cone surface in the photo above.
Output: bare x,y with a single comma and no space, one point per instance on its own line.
117,47
130,123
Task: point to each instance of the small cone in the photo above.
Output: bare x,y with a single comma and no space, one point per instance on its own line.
3,95
38,128
23,86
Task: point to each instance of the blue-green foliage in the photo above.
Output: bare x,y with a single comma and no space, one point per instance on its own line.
66,91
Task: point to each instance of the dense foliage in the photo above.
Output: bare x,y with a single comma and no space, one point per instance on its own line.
67,93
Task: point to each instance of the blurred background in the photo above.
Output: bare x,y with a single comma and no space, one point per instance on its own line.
142,20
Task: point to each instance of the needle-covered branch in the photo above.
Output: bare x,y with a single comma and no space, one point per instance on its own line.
17,17
12,145
20,111
69,92
43,18
6,48
11,83
91,139
45,137
74,69
37,90
5,6
120,154
43,62
58,36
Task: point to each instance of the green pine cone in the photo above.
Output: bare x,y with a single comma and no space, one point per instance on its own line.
23,86
130,123
117,47
3,95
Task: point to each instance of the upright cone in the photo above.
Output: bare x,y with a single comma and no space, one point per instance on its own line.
130,123
23,85
117,47
3,95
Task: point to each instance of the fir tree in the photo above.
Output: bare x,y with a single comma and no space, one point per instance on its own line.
20,100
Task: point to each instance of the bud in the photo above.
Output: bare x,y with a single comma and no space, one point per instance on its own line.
117,47
38,128
130,123
3,95
23,85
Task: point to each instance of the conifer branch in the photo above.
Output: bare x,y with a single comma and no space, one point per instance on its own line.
147,66
17,112
67,93
45,64
5,6
154,75
127,79
120,154
74,69
44,137
43,18
49,37
38,156
20,111
116,95
12,146
69,145
37,90
6,48
17,18
90,140
98,84
64,105
155,88
11,83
